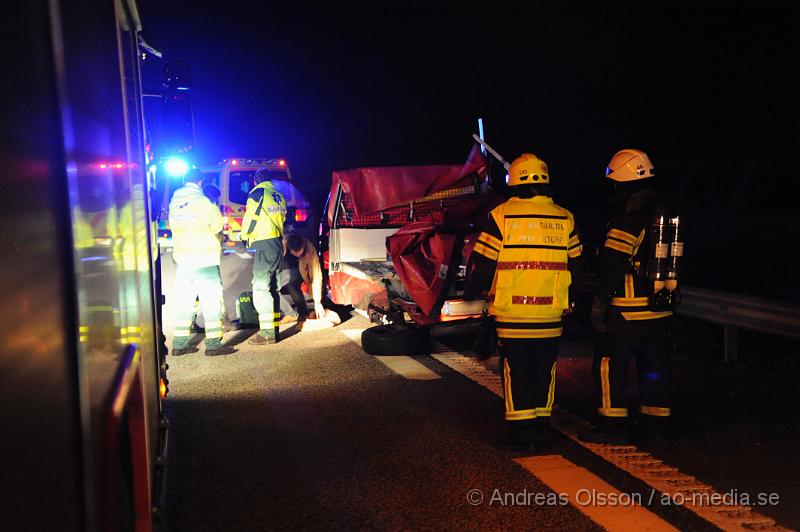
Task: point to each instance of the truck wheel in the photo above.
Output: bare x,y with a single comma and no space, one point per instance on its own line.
389,340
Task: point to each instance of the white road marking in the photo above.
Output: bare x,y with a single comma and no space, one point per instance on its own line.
408,368
690,492
353,334
598,500
402,365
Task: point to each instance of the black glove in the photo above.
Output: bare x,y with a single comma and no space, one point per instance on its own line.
598,316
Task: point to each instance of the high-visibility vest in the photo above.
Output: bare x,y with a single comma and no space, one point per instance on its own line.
264,214
531,282
195,223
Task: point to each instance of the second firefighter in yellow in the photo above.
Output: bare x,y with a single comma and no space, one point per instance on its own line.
527,259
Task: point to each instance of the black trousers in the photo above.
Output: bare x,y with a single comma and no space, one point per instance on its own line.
293,302
646,341
265,284
528,370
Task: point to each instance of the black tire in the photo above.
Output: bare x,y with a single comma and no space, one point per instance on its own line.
388,340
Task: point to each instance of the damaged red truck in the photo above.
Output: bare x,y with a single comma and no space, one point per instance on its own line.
395,243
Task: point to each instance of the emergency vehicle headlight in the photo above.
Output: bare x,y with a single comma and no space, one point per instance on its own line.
176,167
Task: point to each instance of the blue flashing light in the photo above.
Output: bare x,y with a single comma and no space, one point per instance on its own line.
176,167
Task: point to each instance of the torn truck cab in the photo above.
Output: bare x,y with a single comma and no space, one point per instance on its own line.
402,235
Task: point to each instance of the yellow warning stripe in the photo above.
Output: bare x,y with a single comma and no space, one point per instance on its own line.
613,412
605,384
659,411
629,301
639,241
486,251
551,393
629,290
622,235
507,386
646,315
619,246
525,319
521,415
529,333
489,240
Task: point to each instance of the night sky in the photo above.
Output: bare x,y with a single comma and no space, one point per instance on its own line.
705,88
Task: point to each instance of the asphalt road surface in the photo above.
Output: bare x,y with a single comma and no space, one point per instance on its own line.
313,433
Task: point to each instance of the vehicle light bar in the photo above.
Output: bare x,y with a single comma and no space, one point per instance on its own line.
301,215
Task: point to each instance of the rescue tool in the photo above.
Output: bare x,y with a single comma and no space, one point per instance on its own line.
491,150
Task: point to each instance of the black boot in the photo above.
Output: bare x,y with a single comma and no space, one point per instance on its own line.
543,434
520,438
652,428
612,431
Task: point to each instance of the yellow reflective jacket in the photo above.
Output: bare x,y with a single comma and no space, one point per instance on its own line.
195,223
531,240
264,214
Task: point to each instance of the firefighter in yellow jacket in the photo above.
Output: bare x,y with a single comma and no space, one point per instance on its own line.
262,226
623,315
527,258
196,224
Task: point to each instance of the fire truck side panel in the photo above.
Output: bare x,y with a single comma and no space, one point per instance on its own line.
39,408
79,318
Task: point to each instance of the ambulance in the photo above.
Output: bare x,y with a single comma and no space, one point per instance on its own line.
234,178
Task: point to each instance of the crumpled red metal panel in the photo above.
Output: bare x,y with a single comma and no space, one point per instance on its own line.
349,290
422,258
380,187
427,253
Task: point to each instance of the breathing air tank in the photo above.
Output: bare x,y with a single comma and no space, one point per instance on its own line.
663,269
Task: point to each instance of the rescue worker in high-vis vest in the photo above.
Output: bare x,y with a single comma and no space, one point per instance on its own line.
262,226
527,258
196,224
621,313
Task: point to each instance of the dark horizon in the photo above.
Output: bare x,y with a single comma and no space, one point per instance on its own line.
700,88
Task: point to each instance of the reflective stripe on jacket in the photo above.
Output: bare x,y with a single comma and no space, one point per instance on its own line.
195,223
264,214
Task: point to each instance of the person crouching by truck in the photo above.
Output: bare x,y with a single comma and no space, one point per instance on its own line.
527,258
309,271
262,227
196,224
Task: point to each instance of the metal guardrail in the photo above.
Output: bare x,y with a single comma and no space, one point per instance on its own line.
735,311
